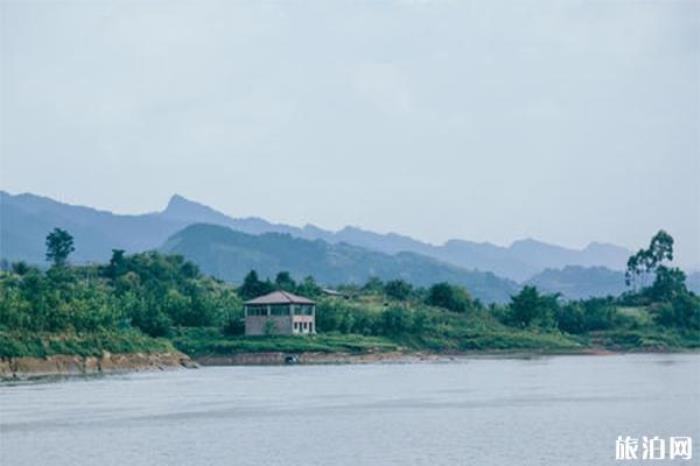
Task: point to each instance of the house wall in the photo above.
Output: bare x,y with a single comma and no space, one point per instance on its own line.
310,324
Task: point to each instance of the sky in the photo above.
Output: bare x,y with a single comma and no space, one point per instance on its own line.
564,121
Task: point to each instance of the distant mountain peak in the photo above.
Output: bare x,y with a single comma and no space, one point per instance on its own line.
178,201
529,243
181,208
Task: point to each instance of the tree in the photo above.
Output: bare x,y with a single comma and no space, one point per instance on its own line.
530,307
453,298
20,268
284,281
646,261
117,264
373,285
683,311
309,288
252,287
669,283
586,316
660,249
59,245
398,289
634,269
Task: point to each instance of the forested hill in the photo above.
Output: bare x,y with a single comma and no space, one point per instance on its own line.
230,255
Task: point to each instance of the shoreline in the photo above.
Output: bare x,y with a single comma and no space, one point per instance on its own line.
278,358
61,366
18,369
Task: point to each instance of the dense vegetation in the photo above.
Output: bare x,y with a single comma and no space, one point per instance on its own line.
148,301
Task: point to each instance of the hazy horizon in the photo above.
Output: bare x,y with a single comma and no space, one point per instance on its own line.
301,225
566,122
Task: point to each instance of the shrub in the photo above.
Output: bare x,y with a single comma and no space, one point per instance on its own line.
450,297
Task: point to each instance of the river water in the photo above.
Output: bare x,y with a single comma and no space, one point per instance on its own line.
563,410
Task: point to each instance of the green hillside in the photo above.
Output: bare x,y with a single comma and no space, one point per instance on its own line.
229,255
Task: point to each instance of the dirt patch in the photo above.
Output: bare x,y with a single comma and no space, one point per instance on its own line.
24,368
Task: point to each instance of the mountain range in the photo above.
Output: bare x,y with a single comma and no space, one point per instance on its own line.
230,255
25,219
518,262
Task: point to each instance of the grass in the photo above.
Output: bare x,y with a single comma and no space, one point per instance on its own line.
490,340
14,344
644,340
198,342
210,341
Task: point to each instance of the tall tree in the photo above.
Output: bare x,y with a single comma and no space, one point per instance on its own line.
59,245
646,261
285,282
660,249
253,287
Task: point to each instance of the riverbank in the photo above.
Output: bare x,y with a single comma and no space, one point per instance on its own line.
59,366
276,358
30,356
65,366
25,355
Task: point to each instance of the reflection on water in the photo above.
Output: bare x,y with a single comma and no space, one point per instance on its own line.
550,410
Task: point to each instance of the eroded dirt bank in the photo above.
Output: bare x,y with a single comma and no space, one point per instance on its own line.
23,368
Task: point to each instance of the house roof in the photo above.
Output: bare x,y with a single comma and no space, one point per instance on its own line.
280,297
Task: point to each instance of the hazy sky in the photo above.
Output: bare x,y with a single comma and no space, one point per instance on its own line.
491,121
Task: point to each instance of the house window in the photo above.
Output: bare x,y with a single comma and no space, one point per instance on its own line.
257,311
303,310
279,310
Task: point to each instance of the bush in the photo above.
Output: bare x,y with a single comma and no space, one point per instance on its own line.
234,324
450,297
586,316
398,289
529,307
683,312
